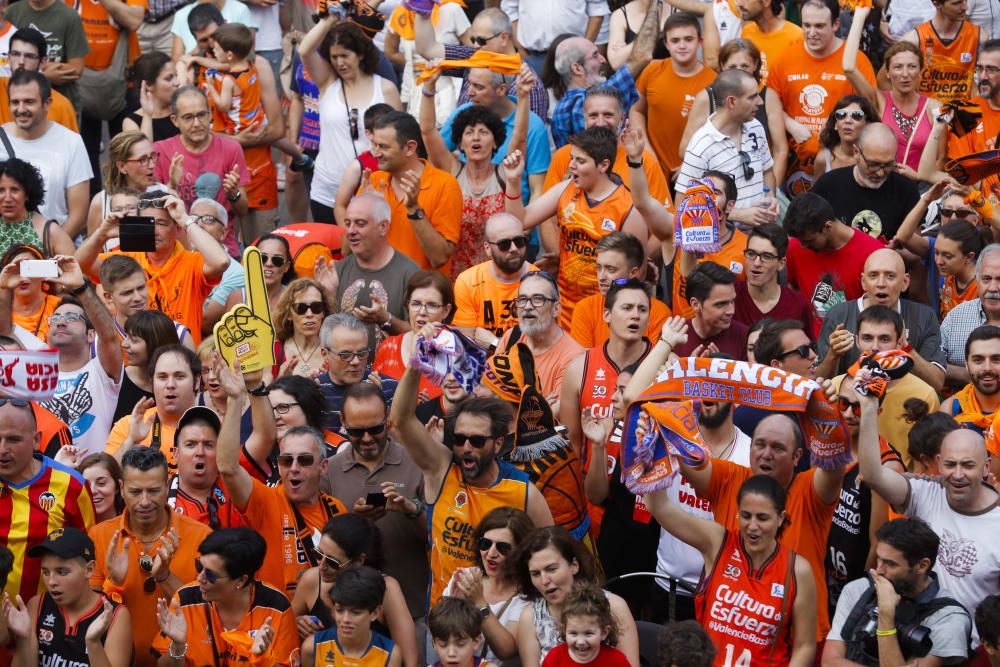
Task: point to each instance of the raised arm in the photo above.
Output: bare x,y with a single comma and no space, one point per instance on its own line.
658,219
430,455
319,68
216,259
884,481
907,235
539,210
425,39
928,169
109,348
522,115
850,60
704,535
237,480
437,151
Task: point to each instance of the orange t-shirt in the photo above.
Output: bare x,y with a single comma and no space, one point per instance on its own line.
103,34
669,97
245,109
482,299
441,200
983,138
389,362
772,45
38,324
951,296
120,431
589,329
809,87
142,605
805,534
658,188
729,257
61,111
179,287
270,513
949,69
551,364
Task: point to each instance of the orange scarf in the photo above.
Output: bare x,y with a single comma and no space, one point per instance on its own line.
972,412
401,21
495,62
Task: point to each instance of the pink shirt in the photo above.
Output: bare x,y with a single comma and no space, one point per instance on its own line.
909,150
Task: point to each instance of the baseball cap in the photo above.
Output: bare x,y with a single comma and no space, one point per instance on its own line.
200,413
65,543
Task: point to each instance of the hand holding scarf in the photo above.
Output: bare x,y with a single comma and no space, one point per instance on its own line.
449,353
696,228
495,62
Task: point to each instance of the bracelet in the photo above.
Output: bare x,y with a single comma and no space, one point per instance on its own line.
165,577
512,197
664,340
426,94
634,165
885,633
170,652
416,215
388,322
82,288
262,390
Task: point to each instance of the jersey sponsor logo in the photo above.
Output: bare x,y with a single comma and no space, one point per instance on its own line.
736,613
460,499
49,620
608,224
777,590
813,99
736,267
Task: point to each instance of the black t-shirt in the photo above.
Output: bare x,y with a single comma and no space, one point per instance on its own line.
878,213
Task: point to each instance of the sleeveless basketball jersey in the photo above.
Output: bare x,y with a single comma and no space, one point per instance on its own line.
60,643
948,68
453,517
745,612
582,224
328,651
245,110
951,296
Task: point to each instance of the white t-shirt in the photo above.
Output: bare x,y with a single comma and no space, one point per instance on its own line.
268,28
452,24
85,400
61,157
511,613
233,11
674,557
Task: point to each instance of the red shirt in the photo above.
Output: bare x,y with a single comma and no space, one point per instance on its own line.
608,657
731,341
791,306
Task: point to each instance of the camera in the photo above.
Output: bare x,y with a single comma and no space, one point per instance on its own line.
342,9
914,640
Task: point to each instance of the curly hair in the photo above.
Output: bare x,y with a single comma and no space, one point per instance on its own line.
587,599
29,178
283,310
478,115
828,136
352,38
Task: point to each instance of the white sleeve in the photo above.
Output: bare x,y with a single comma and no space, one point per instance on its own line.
510,8
78,163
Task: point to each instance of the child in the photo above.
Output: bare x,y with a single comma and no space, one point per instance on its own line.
234,90
456,630
357,601
589,631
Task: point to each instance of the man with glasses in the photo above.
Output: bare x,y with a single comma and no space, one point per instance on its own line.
871,196
28,50
376,478
179,280
344,342
485,293
148,552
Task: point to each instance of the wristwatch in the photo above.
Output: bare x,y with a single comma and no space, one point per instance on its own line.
485,611
421,506
416,215
82,288
262,390
235,198
188,221
634,165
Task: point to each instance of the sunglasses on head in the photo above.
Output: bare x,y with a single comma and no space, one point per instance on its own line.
503,548
745,161
317,307
211,576
844,404
304,460
477,441
362,431
504,244
856,114
275,260
330,561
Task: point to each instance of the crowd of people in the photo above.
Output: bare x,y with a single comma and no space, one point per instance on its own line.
477,227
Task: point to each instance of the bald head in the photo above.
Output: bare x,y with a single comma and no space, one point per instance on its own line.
580,52
502,226
884,278
877,136
885,259
963,462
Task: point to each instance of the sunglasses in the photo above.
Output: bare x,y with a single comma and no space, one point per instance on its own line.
146,565
276,260
748,171
68,318
844,404
481,41
477,441
353,119
504,245
362,431
330,561
503,548
959,213
317,307
803,351
841,114
18,403
211,576
153,203
304,460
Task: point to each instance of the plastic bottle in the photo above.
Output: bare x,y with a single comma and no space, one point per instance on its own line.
768,202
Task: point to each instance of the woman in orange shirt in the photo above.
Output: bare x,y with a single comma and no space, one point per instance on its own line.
301,310
31,305
429,298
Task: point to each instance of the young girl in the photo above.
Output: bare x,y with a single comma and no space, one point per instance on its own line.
589,631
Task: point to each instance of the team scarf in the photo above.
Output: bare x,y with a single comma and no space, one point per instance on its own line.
30,375
697,224
880,369
401,20
661,425
449,353
992,435
980,204
974,168
499,63
971,412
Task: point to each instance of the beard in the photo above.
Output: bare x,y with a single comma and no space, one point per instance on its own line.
506,263
716,419
483,461
535,326
987,391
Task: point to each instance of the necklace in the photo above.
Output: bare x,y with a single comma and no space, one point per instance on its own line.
303,357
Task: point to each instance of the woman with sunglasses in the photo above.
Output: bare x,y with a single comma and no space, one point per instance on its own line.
297,319
22,191
342,63
909,114
350,540
32,304
276,256
429,297
490,586
131,161
841,132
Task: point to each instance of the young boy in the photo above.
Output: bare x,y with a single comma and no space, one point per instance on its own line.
234,90
456,630
357,600
70,623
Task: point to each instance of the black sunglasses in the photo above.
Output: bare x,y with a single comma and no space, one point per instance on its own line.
304,460
317,307
275,260
477,441
481,41
16,402
803,351
362,431
146,565
748,171
959,213
353,119
160,202
843,404
211,576
504,245
503,548
841,114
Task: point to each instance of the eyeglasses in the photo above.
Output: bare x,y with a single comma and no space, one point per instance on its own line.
282,408
145,160
745,162
277,261
765,257
504,244
353,120
536,300
68,318
430,307
856,114
349,356
481,41
804,351
988,70
160,202
843,404
304,460
330,561
131,208
146,565
23,56
301,308
362,431
16,402
959,213
477,441
208,220
211,576
201,116
503,548
877,166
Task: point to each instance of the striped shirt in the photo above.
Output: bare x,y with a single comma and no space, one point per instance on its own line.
956,328
710,149
54,498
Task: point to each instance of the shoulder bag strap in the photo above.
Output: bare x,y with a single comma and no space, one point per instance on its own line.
211,634
47,237
303,536
6,143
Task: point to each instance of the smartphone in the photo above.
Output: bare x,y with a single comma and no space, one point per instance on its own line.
137,233
39,268
376,499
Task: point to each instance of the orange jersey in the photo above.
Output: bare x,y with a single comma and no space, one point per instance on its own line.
772,45
582,224
809,87
38,323
245,110
669,97
951,296
456,512
658,188
747,612
484,299
982,138
161,436
589,329
730,256
806,534
103,32
948,68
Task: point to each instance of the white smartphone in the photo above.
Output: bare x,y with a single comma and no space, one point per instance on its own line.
39,268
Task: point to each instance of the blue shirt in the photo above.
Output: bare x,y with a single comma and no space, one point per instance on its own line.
568,120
